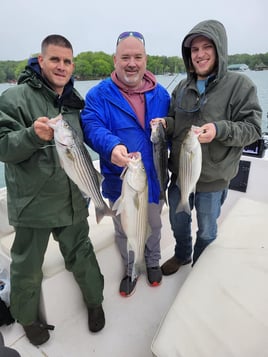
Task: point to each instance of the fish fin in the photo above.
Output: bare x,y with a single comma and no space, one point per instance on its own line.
123,173
101,212
131,244
139,268
139,262
183,207
118,206
52,122
135,273
86,197
99,177
136,200
70,155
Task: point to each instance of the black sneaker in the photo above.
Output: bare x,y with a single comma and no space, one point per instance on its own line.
127,286
154,275
96,318
37,333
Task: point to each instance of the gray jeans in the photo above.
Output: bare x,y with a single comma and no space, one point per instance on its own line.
152,252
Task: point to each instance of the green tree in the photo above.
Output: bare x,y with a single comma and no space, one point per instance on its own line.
95,65
2,75
19,68
101,68
83,69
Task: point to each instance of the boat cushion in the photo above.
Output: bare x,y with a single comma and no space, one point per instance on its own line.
221,309
101,236
5,228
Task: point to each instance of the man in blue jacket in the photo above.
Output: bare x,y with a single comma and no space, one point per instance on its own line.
116,121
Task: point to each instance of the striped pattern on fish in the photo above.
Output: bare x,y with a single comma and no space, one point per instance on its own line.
77,163
189,168
160,156
132,205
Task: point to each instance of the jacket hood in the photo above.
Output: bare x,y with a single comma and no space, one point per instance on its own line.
33,67
32,75
215,31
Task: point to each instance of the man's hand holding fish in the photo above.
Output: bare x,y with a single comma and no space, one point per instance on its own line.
120,156
42,130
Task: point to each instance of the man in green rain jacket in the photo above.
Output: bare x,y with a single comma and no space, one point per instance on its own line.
225,107
41,198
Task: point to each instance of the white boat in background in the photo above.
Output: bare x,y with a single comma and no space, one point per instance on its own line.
241,67
217,308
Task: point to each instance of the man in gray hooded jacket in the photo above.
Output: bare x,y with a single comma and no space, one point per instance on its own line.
225,107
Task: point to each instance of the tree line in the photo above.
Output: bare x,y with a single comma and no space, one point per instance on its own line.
96,65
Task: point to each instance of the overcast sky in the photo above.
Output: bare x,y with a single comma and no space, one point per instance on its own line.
93,25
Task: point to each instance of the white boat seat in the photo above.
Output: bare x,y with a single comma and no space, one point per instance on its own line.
5,228
221,309
101,236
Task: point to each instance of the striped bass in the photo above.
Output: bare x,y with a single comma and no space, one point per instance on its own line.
189,168
160,156
132,205
77,163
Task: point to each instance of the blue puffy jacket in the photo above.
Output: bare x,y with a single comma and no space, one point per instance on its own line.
109,120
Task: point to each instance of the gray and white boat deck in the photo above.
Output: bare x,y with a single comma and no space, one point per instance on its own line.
139,326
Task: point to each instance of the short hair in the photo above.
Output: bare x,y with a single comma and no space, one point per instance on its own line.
56,40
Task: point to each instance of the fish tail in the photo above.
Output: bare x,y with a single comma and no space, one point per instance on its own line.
103,211
139,268
184,207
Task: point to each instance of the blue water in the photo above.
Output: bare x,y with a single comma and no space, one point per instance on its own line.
169,82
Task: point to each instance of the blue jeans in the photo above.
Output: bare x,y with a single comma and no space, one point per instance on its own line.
208,208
